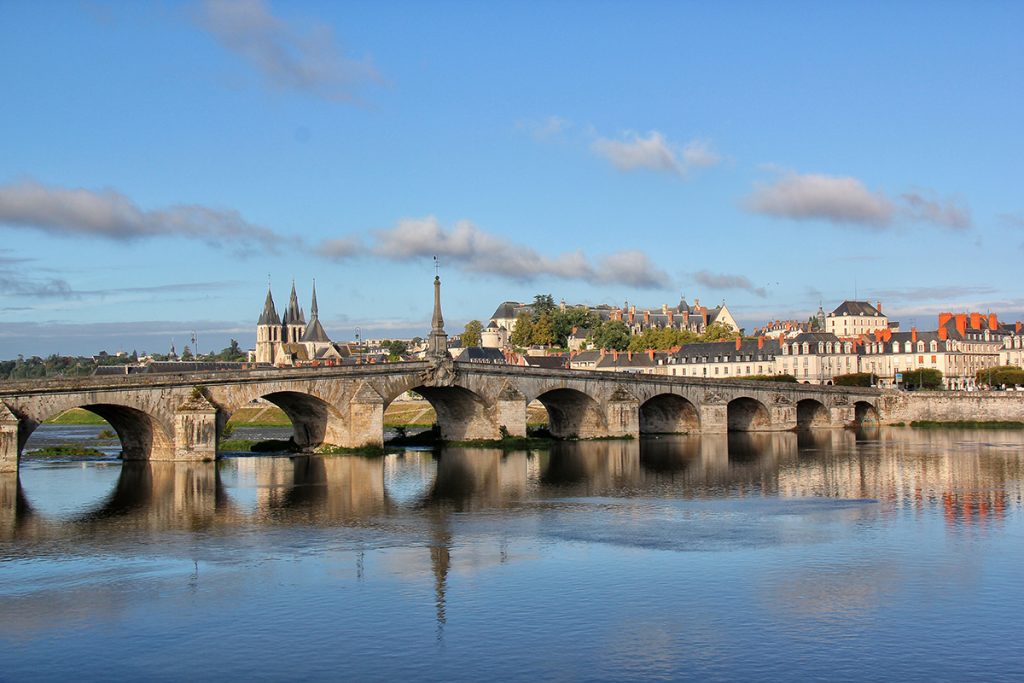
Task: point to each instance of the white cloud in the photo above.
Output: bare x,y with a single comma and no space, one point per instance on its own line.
926,210
1014,220
655,153
477,251
726,281
822,197
286,56
341,248
108,214
547,129
700,154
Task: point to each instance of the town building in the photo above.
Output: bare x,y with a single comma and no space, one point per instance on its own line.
725,359
816,357
851,319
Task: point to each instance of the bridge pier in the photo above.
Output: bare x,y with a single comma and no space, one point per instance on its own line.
366,419
843,416
622,415
195,431
8,440
714,418
783,417
510,411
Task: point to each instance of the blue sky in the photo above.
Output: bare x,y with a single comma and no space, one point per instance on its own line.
158,161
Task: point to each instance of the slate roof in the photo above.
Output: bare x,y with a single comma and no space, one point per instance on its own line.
747,347
862,308
477,354
269,314
315,332
293,315
507,309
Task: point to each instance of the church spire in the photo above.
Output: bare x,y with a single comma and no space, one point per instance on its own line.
313,308
437,346
293,315
269,314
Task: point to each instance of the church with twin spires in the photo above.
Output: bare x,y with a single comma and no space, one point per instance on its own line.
291,340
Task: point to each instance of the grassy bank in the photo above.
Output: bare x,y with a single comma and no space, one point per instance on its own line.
398,414
966,424
66,452
76,416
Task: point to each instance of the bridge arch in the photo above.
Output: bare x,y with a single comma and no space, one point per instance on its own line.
745,414
865,414
143,436
315,421
668,414
462,414
573,414
812,414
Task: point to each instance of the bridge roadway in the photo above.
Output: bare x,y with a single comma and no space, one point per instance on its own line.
180,416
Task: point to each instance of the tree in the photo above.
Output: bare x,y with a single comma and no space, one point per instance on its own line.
612,334
922,378
186,353
1009,375
718,332
579,317
543,330
542,303
854,379
471,334
522,331
395,347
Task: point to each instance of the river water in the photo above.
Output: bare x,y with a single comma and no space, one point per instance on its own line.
891,555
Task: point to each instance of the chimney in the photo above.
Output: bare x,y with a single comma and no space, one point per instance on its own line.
670,318
975,321
1018,327
943,334
615,355
913,334
993,321
961,323
878,305
760,343
739,342
632,311
664,309
944,318
602,353
650,354
629,356
647,317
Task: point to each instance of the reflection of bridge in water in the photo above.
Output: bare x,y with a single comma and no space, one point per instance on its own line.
929,468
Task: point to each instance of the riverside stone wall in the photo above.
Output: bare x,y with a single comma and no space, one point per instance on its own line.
952,406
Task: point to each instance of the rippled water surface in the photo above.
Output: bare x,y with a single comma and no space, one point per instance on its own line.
896,555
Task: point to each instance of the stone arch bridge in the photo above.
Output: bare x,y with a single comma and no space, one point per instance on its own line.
180,416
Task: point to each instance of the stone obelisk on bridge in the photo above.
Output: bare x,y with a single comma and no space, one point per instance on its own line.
437,342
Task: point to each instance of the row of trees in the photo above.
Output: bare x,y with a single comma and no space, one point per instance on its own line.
548,325
76,366
1003,375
